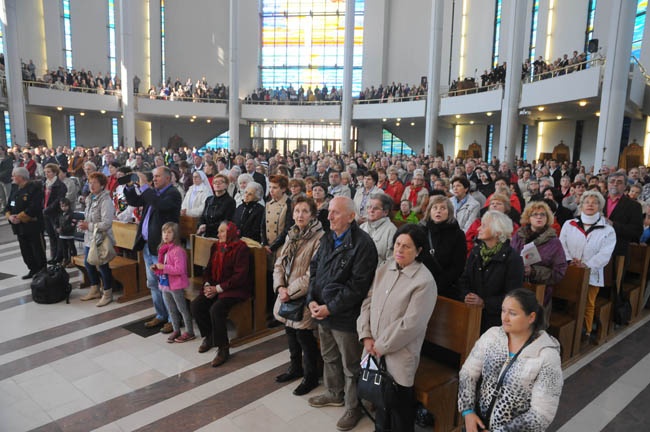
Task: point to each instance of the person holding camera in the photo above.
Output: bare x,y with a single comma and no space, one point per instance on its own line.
161,203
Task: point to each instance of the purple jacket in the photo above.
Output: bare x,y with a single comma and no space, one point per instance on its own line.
175,260
551,269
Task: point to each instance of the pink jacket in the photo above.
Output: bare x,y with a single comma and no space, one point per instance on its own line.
175,260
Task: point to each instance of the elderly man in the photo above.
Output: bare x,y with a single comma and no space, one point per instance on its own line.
336,188
259,178
24,212
161,204
379,226
623,213
340,276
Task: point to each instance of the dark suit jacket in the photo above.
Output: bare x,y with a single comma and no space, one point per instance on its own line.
164,208
628,223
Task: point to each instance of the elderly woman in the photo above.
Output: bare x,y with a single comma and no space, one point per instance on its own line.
446,250
54,190
218,207
537,228
405,214
493,268
417,193
466,208
250,214
98,216
393,321
498,202
290,283
379,226
589,241
197,194
227,281
527,357
297,187
242,181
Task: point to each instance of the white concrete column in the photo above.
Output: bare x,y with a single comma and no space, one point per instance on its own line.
509,130
234,112
614,90
13,72
433,79
346,105
128,17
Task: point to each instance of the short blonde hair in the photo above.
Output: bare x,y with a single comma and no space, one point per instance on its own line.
503,198
593,194
537,205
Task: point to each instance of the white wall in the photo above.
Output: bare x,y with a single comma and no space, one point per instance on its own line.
553,133
376,23
588,147
369,136
89,26
53,25
194,134
41,125
249,41
94,130
471,133
31,38
480,35
569,23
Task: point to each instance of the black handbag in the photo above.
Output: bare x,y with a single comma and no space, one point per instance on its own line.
51,285
376,385
622,307
292,310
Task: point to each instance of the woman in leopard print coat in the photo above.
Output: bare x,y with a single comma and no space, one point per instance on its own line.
529,396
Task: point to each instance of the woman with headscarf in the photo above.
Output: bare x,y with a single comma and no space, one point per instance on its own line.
194,200
227,281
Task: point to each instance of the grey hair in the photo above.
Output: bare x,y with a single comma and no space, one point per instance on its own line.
618,174
90,164
245,177
257,188
386,201
500,224
22,172
594,194
236,169
347,203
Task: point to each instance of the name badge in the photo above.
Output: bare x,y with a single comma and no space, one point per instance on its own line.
13,203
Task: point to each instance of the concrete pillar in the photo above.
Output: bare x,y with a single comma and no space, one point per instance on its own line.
234,112
128,17
16,96
614,90
348,50
512,94
433,79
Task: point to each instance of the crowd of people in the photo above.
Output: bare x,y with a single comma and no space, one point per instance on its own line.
81,80
359,247
199,91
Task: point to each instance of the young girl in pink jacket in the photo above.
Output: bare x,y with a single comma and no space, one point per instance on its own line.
171,270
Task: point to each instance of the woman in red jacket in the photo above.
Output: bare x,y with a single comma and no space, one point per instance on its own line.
227,281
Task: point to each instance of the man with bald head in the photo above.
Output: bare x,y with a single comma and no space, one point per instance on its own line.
340,276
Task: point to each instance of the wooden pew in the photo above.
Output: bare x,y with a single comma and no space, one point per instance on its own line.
187,226
454,326
566,326
538,289
129,272
636,276
248,316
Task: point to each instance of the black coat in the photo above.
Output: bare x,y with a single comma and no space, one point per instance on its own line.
628,224
27,203
59,190
447,263
502,274
248,218
341,277
217,209
165,207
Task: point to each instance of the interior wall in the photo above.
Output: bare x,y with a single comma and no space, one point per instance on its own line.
143,132
89,26
94,130
480,35
376,29
52,23
369,137
554,132
249,46
570,21
41,125
31,38
194,134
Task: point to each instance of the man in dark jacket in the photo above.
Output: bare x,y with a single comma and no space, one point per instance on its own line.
24,212
340,276
162,204
623,213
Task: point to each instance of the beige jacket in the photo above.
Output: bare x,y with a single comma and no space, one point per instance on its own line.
296,279
396,313
99,214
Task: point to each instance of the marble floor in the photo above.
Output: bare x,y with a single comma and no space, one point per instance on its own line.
73,367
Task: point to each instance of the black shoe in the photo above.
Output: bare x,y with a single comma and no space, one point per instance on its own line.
53,261
289,375
305,387
28,276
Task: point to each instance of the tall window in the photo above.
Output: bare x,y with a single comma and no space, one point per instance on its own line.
116,133
73,132
591,16
111,38
393,145
219,142
2,42
67,34
7,129
162,41
533,34
302,43
639,26
497,32
524,142
489,142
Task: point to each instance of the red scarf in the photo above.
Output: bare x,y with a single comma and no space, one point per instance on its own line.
413,195
232,239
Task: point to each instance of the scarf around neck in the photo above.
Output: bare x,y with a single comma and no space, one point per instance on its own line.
488,253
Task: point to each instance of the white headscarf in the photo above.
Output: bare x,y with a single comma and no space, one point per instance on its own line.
196,189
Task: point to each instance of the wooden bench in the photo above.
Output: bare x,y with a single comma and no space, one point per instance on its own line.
129,272
248,317
636,276
187,226
538,289
566,325
454,326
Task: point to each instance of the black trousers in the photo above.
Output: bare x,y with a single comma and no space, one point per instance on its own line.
66,250
400,417
32,248
211,316
50,229
303,351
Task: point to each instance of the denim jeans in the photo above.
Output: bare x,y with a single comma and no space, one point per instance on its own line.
177,306
152,284
93,274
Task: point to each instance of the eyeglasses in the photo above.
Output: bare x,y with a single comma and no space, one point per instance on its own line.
375,208
616,182
538,215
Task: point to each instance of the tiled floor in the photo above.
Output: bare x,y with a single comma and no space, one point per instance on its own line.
72,367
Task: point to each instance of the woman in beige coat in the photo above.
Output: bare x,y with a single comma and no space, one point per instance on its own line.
394,319
291,283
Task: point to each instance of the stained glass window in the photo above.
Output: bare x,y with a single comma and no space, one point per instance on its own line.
393,145
111,37
639,26
67,34
497,33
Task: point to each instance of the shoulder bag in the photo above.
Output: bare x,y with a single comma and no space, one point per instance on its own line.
376,385
102,250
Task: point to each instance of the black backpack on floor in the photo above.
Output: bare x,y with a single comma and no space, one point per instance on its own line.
51,285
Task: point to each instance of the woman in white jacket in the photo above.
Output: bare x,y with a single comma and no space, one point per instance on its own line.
379,225
589,241
196,195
